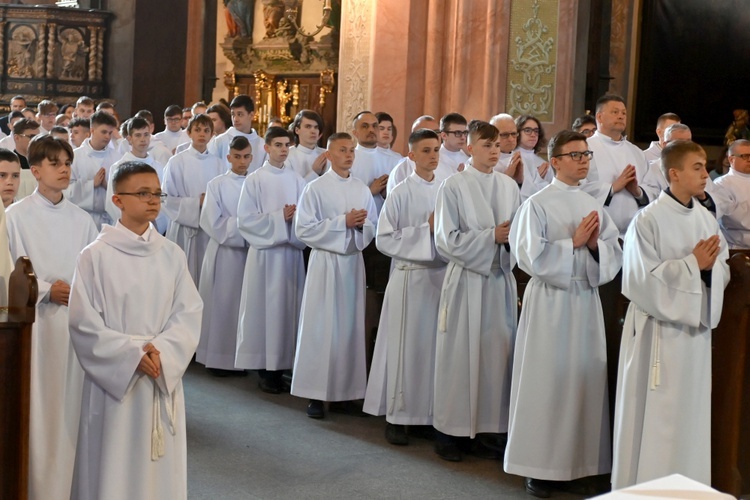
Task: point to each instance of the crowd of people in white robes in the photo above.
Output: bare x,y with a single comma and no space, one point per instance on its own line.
251,257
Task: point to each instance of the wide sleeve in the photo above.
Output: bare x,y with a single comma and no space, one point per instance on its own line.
18,249
179,207
261,230
397,175
669,290
471,248
110,358
396,239
215,220
548,261
654,181
81,189
609,263
109,206
179,338
365,235
317,231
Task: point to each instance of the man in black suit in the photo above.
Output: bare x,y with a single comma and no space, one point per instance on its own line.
16,104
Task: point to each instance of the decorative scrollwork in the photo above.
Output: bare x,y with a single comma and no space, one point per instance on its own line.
533,60
52,45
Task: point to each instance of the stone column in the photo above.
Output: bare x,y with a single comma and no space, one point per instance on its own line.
355,64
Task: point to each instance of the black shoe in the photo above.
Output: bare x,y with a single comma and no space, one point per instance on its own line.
238,373
396,434
495,442
346,408
269,385
218,372
422,432
449,452
315,409
480,450
537,487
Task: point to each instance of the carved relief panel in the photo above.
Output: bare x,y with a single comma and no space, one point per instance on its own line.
50,52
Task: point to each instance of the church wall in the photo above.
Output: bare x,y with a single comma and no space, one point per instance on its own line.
479,58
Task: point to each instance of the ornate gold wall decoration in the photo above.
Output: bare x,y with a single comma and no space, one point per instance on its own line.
532,65
354,72
21,51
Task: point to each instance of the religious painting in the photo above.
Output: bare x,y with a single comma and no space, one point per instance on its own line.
21,51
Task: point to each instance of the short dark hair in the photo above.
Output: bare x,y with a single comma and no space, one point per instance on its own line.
338,136
58,130
451,119
103,118
201,119
23,125
276,132
675,152
243,101
239,143
8,155
607,98
173,110
85,100
47,147
223,113
482,131
583,120
124,127
421,135
146,115
128,169
562,138
18,98
137,123
541,139
79,122
382,116
15,114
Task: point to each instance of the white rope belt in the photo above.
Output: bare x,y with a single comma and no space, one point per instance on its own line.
157,430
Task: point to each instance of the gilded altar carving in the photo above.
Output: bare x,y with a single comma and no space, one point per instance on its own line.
22,51
532,66
73,51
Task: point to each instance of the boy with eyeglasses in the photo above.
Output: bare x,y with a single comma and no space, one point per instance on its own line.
138,136
24,130
134,332
185,179
91,167
559,408
453,133
51,231
221,276
173,135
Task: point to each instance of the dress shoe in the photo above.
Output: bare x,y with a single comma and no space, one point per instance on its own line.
218,372
495,442
422,432
269,385
480,450
396,434
449,451
537,487
315,409
346,408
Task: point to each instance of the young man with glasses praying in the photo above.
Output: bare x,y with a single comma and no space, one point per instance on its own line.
134,332
559,411
531,140
173,135
453,133
24,130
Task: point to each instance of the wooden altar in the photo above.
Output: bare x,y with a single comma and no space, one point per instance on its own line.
15,371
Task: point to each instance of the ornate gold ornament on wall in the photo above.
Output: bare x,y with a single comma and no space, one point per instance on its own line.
327,81
531,73
285,47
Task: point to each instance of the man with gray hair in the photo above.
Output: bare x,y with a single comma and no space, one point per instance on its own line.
510,162
735,222
716,199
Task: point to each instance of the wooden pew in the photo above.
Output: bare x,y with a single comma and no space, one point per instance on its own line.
730,405
15,370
